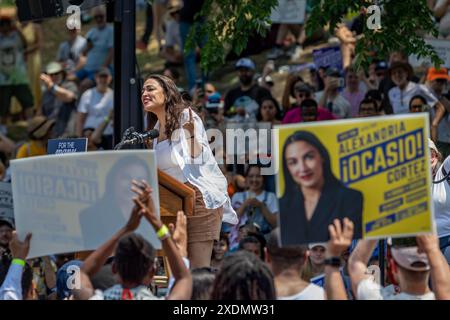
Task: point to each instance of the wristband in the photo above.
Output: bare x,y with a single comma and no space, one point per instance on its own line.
106,119
163,233
333,261
18,262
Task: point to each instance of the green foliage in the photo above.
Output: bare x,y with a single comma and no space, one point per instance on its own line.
7,3
403,24
227,24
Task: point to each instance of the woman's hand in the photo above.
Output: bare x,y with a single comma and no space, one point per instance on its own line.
189,126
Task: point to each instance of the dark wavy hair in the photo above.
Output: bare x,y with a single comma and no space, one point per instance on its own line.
174,105
202,283
417,96
290,186
278,115
243,276
134,257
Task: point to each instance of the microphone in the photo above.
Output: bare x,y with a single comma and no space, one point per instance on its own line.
142,137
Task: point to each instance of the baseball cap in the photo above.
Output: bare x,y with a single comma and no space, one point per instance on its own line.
104,72
333,72
214,101
401,65
53,67
381,65
7,222
408,258
434,74
62,277
39,126
432,146
302,87
245,63
317,244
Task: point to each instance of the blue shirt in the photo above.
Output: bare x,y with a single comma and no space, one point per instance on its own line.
102,40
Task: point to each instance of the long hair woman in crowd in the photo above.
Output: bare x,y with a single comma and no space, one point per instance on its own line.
243,277
183,152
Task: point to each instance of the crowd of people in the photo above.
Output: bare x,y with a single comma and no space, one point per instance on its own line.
230,249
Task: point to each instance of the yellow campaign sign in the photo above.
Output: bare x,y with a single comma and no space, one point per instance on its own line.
374,171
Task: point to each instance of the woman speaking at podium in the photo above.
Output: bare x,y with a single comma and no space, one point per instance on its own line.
182,151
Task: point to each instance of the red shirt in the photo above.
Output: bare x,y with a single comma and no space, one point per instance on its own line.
294,115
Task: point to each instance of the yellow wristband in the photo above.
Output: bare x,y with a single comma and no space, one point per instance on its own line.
19,262
163,232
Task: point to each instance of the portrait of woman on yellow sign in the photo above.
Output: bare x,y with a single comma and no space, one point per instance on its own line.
313,197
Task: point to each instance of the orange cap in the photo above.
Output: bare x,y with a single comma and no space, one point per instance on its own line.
434,74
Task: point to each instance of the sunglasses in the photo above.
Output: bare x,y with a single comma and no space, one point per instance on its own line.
301,94
418,107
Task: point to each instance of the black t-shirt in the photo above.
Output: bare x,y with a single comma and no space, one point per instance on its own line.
249,99
190,9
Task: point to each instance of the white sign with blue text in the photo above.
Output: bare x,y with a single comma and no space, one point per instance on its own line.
77,201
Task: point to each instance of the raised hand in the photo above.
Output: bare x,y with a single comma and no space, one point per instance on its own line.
427,243
134,220
189,126
142,190
340,237
19,249
144,201
47,80
179,233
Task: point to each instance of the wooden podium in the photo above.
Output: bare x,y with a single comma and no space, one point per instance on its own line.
174,196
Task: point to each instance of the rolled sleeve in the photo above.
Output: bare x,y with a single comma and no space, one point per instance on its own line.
12,286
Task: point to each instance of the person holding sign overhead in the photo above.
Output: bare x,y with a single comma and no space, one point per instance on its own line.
183,152
313,196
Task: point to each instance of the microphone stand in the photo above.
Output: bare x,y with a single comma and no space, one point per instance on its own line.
127,135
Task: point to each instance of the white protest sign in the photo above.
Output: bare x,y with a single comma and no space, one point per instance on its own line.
6,202
289,12
442,48
75,202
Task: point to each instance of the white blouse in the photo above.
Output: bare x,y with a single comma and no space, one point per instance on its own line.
202,171
165,162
